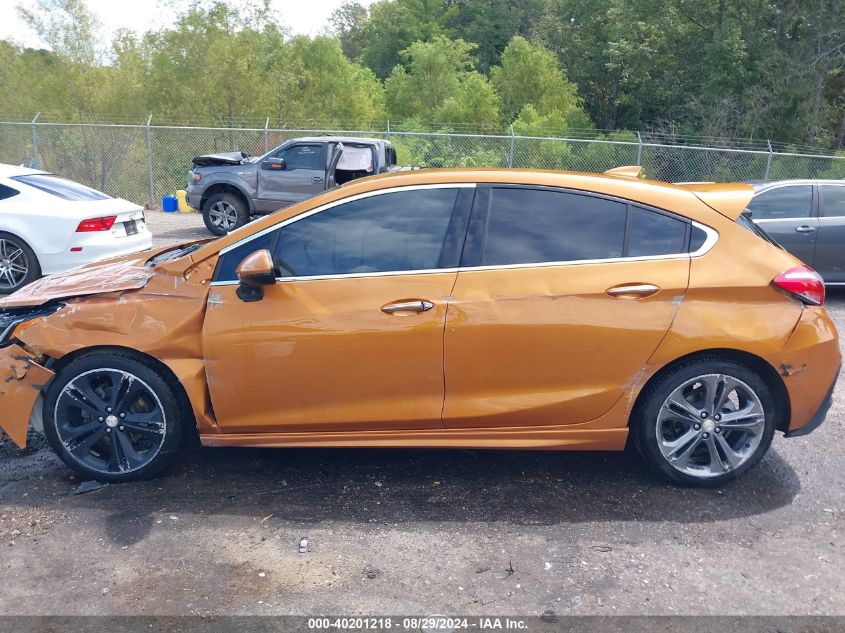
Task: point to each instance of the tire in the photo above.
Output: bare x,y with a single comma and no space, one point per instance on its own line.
224,212
18,264
664,422
83,415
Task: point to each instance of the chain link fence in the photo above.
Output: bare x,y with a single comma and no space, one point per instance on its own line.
144,162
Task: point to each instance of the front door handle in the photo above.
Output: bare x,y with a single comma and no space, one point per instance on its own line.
632,290
407,306
316,179
804,228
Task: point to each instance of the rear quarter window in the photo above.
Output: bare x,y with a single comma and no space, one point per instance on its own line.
61,187
7,192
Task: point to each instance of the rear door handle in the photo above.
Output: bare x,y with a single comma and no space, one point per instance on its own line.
316,179
407,306
632,290
804,228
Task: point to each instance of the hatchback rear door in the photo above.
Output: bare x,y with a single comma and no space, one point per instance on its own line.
561,299
788,213
830,249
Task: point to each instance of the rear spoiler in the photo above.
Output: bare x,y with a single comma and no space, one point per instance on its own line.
728,199
226,158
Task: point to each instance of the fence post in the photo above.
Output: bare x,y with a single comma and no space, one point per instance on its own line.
510,151
639,148
769,161
388,129
34,141
267,135
149,135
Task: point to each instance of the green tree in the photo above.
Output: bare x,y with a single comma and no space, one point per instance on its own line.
530,75
440,86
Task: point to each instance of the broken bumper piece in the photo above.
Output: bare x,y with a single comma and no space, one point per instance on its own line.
21,381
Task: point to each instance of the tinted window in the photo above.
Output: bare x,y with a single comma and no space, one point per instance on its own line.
655,234
696,239
833,197
303,157
531,226
231,260
783,202
7,192
397,231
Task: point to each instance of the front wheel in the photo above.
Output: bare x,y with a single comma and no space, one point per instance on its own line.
113,417
224,212
705,422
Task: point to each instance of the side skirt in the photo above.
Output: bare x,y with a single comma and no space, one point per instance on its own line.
540,438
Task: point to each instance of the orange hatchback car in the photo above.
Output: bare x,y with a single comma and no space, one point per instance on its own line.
443,308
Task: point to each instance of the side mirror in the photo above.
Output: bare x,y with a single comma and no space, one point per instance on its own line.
273,164
255,272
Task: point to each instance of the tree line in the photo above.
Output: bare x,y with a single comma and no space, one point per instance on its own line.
740,69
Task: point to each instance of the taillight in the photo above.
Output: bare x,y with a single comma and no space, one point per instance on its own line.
802,282
96,224
197,177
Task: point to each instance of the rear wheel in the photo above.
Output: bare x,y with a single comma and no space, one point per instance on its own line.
224,212
705,422
113,417
18,264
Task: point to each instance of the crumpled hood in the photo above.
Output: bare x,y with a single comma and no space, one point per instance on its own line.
129,272
223,158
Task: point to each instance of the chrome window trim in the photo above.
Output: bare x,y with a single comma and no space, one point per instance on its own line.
709,243
336,203
799,219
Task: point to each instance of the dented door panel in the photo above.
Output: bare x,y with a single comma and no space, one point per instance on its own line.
549,345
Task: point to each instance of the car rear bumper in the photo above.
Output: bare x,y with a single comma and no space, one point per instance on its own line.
808,365
819,416
96,247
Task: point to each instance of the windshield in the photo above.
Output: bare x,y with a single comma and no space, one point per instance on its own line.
745,221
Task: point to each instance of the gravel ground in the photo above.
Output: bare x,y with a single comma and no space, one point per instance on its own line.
414,531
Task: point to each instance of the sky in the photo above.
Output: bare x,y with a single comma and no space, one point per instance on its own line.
308,17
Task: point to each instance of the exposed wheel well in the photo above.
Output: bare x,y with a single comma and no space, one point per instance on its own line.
57,365
223,187
752,362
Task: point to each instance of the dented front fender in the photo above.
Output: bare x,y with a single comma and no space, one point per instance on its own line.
21,381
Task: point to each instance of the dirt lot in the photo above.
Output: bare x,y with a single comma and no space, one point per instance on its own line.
426,532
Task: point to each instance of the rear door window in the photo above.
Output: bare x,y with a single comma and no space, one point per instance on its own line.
783,203
833,200
61,188
653,233
528,226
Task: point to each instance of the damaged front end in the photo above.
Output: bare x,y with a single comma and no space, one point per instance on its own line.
22,377
150,304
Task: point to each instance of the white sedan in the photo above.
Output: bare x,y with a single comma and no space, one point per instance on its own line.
49,224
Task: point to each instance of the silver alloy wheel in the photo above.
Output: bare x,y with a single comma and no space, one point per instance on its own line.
710,425
110,421
14,266
223,215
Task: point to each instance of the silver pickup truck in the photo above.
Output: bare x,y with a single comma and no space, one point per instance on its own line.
230,188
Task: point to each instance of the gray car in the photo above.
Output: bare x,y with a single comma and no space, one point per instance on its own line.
807,218
230,188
